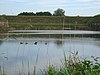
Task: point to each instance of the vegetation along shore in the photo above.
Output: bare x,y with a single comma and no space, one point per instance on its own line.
51,22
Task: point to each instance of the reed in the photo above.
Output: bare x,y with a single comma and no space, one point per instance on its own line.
74,66
34,70
28,68
71,65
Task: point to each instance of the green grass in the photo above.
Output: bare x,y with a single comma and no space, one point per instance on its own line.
43,26
4,29
74,66
47,22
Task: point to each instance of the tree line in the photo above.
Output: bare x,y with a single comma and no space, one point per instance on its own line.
58,12
35,14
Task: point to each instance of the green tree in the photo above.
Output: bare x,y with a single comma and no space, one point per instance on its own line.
26,14
43,14
59,12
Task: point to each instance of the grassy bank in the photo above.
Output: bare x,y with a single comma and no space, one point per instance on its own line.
47,22
48,26
46,19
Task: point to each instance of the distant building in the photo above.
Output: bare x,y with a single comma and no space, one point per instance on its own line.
95,25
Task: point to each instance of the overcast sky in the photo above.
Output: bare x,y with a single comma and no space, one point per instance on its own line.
71,7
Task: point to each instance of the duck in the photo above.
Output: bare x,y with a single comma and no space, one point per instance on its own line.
6,57
26,43
35,43
21,42
45,43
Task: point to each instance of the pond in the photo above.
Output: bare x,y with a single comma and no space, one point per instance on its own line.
22,50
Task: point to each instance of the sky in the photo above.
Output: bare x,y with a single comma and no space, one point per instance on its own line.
71,7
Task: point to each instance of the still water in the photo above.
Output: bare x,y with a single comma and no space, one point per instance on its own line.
20,53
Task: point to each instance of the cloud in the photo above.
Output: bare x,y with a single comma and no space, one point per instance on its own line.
84,0
50,5
17,0
46,2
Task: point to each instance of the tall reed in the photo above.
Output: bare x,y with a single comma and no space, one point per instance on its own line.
73,65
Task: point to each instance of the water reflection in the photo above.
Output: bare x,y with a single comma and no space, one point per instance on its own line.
59,43
1,42
54,32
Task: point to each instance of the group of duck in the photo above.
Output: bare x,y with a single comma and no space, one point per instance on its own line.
35,43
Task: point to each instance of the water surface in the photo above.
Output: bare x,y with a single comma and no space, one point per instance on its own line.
17,52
